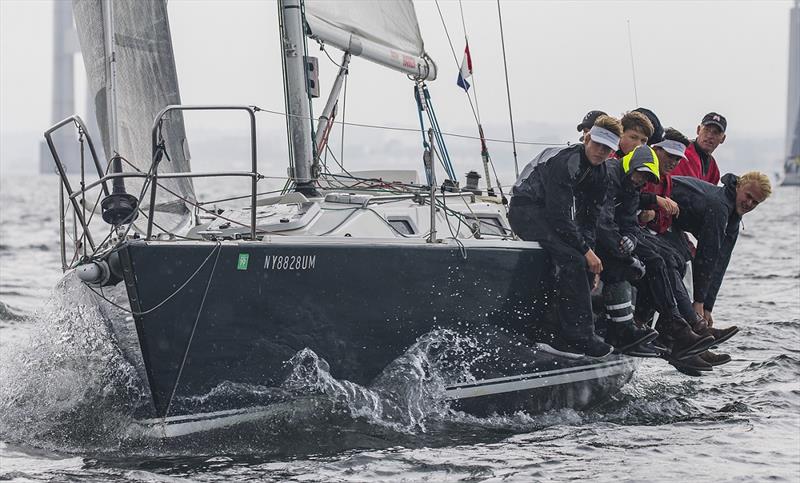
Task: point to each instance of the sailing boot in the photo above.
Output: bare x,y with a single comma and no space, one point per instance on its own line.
714,359
700,327
684,342
622,333
592,346
626,335
647,349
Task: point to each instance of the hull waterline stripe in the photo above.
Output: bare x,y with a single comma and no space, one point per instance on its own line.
183,425
535,382
587,367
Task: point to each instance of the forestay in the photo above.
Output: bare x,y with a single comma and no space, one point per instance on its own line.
146,81
383,31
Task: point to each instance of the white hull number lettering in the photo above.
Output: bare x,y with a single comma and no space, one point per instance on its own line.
290,262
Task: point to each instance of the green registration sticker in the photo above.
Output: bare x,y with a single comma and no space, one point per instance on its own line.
244,258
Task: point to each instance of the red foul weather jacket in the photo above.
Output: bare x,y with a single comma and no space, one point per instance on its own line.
698,165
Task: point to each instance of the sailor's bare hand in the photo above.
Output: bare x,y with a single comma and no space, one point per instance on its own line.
646,216
698,308
668,205
595,265
708,317
596,282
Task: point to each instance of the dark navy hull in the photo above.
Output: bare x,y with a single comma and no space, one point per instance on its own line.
240,311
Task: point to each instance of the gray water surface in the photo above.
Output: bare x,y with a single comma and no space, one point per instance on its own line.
67,393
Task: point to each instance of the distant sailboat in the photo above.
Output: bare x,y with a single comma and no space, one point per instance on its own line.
791,166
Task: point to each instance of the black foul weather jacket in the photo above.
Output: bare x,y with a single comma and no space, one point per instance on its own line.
563,183
618,215
709,213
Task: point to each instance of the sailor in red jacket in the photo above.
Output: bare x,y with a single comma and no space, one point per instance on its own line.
699,162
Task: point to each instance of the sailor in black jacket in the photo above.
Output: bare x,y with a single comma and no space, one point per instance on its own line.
556,202
624,249
712,214
616,239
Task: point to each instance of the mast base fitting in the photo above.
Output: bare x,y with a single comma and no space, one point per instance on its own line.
119,208
308,189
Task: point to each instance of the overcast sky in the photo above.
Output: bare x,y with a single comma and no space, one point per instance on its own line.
565,57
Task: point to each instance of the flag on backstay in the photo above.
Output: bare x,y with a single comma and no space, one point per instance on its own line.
466,70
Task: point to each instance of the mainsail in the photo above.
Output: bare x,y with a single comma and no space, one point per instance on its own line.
146,81
383,31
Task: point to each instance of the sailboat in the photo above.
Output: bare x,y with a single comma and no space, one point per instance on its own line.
355,267
791,166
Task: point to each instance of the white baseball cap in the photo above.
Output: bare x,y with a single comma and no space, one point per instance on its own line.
674,148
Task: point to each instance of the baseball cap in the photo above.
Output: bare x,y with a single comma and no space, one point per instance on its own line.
672,147
604,137
716,119
589,119
658,129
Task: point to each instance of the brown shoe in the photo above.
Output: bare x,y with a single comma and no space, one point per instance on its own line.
714,359
685,342
700,327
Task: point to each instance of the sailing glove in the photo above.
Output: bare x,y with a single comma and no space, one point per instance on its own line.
637,269
627,245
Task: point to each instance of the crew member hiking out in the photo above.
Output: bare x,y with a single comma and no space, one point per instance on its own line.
555,202
617,240
712,214
670,152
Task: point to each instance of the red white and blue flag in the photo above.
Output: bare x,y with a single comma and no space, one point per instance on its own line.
466,70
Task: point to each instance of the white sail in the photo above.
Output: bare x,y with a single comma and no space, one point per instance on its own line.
145,82
383,31
793,107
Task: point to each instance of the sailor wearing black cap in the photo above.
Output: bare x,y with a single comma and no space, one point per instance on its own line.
555,202
588,121
699,162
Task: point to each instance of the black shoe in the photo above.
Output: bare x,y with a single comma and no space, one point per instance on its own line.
694,363
592,347
687,371
714,359
643,350
658,346
626,335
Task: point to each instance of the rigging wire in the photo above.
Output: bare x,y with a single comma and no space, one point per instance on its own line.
508,92
633,67
416,130
194,328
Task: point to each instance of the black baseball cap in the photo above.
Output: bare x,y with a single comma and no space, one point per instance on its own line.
658,129
589,119
715,119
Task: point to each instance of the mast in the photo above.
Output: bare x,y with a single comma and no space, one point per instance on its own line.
298,116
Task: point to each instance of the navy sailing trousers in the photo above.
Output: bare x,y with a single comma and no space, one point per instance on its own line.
572,278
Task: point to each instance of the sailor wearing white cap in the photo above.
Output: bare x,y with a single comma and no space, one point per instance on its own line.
556,202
